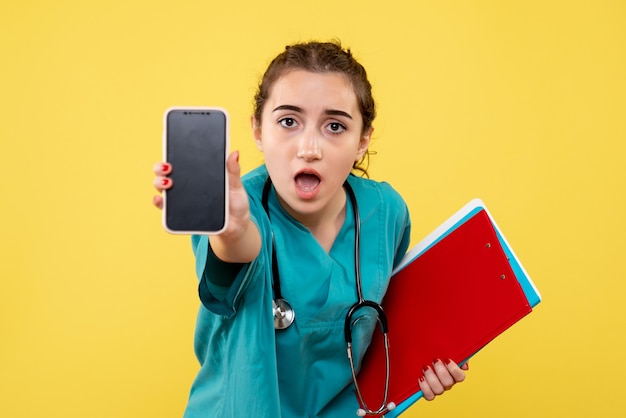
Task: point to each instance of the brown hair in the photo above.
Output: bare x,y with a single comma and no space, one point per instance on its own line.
321,57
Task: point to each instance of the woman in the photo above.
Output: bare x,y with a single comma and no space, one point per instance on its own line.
313,123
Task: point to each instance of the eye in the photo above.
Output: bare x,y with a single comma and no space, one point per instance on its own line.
335,127
287,122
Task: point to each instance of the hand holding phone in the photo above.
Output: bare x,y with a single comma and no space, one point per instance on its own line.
195,144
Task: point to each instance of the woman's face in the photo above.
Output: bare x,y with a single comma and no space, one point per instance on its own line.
311,133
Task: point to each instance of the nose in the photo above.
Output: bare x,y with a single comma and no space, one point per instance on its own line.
309,147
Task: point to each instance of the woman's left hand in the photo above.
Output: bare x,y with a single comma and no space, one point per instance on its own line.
440,376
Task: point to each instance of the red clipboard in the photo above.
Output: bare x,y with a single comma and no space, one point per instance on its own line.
447,303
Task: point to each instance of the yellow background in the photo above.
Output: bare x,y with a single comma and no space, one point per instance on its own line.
520,103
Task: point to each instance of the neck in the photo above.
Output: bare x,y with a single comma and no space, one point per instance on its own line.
327,229
325,224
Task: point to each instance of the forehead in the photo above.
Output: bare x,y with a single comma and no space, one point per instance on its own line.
301,87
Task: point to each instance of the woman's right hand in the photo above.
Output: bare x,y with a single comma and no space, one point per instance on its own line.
240,242
239,207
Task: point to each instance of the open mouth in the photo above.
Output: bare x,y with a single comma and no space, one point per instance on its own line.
307,182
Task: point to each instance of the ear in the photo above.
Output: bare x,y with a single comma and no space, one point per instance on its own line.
256,132
364,143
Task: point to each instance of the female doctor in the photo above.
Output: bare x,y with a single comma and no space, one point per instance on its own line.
294,224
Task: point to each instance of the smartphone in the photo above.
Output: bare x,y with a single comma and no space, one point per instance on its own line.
195,143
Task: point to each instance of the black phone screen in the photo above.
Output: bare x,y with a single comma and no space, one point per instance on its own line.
196,146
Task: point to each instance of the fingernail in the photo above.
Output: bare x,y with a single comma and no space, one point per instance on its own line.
165,182
426,368
165,167
237,156
436,361
449,361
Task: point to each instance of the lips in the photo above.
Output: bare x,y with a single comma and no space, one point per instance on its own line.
307,184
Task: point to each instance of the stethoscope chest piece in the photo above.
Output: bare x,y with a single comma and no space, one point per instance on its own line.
284,314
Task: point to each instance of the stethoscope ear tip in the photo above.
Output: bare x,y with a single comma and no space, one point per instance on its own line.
390,407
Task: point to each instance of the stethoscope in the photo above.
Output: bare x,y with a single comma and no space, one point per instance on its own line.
284,315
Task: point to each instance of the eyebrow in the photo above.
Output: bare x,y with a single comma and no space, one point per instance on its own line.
332,112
